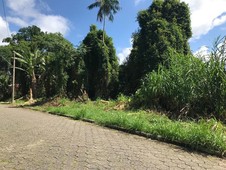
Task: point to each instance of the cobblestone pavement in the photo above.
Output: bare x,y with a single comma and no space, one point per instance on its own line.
36,140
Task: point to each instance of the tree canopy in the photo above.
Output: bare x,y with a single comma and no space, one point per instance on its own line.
43,59
5,73
101,65
164,27
50,65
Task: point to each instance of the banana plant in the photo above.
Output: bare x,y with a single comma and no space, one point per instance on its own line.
30,63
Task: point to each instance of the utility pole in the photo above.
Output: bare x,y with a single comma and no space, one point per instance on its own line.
14,72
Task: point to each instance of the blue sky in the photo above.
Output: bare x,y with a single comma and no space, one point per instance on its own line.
72,19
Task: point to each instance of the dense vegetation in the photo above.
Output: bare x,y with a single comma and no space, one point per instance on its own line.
164,27
42,60
101,65
160,72
189,87
48,65
5,74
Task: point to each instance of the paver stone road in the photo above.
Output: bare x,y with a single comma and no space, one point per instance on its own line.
35,140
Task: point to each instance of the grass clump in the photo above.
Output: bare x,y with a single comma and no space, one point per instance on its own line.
188,87
208,136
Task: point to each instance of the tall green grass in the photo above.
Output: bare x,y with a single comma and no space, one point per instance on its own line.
189,87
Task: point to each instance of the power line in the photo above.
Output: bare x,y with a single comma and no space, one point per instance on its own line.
5,18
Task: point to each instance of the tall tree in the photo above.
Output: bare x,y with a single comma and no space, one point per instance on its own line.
76,74
5,72
164,27
60,56
28,56
101,65
45,59
107,8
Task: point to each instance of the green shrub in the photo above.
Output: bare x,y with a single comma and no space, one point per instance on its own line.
189,87
4,86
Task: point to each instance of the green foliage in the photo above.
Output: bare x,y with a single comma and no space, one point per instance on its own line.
123,98
4,86
60,56
189,87
101,65
107,8
77,73
164,27
5,72
29,57
49,64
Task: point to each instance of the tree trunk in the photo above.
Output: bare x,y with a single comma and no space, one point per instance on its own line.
33,86
31,94
104,28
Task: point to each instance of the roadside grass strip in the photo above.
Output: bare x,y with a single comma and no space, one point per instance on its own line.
208,136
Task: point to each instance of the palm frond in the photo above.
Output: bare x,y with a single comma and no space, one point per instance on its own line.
106,8
18,68
94,5
18,54
21,60
100,15
111,17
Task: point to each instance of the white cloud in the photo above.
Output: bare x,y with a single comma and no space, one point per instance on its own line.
43,6
203,53
219,21
4,30
205,15
123,54
20,5
23,8
30,12
52,23
18,21
137,2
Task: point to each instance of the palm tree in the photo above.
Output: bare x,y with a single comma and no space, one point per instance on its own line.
107,8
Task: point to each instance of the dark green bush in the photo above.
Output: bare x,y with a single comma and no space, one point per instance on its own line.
5,89
189,87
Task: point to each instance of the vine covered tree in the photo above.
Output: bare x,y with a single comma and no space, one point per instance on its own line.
165,27
101,65
107,9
